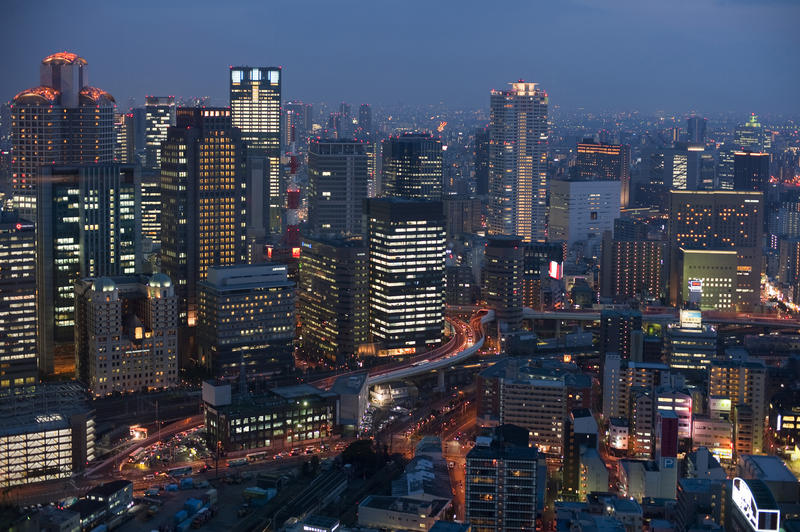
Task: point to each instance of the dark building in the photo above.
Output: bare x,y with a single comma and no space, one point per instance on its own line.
337,185
617,332
412,166
607,162
365,118
750,171
332,297
406,246
717,221
280,418
18,365
504,482
202,205
159,117
632,268
482,162
89,226
463,215
696,128
504,267
246,321
459,285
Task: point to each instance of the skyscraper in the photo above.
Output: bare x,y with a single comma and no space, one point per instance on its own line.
412,166
632,268
504,268
752,136
750,171
723,221
202,203
337,185
581,210
481,161
256,110
87,227
17,301
611,162
296,124
696,127
365,119
518,136
159,116
332,297
406,244
62,121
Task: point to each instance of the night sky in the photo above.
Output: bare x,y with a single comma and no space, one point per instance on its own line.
647,55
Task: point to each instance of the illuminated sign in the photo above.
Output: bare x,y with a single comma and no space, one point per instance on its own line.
556,270
691,319
760,520
695,285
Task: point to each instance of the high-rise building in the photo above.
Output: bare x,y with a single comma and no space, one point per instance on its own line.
406,245
682,166
17,301
297,124
581,211
412,166
203,214
365,119
696,128
718,220
481,161
632,268
710,277
159,117
611,162
246,321
617,329
337,185
332,298
743,385
62,121
46,433
689,345
750,171
504,482
256,110
124,142
151,208
752,136
88,227
518,135
126,333
504,265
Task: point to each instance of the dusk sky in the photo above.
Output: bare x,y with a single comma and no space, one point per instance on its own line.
677,55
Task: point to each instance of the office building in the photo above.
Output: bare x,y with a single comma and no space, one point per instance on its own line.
365,119
88,227
690,346
116,495
750,171
581,211
463,215
151,209
297,124
617,328
18,364
412,166
203,214
711,278
337,185
46,433
280,418
245,321
682,165
504,264
743,385
386,512
504,482
518,136
715,434
332,298
632,269
696,129
459,285
62,121
670,399
406,246
622,378
481,162
752,136
580,435
255,94
159,117
124,138
607,162
126,334
718,221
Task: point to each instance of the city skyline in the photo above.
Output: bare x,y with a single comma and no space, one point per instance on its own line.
709,56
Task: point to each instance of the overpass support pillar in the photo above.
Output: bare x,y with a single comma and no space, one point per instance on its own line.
440,384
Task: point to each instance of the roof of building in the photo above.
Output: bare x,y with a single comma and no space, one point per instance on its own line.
450,526
87,507
770,468
109,488
64,58
299,391
350,384
41,408
321,521
405,504
40,95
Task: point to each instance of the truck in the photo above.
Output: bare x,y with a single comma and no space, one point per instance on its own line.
187,483
237,462
210,497
171,487
183,526
192,506
181,516
201,518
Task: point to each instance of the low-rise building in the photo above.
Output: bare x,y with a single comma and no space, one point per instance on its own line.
400,513
117,495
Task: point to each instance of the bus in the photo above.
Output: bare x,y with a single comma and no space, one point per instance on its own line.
237,462
257,457
180,471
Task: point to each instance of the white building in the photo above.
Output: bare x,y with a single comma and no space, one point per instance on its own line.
581,210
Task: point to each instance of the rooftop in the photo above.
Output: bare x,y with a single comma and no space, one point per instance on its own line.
769,468
109,488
